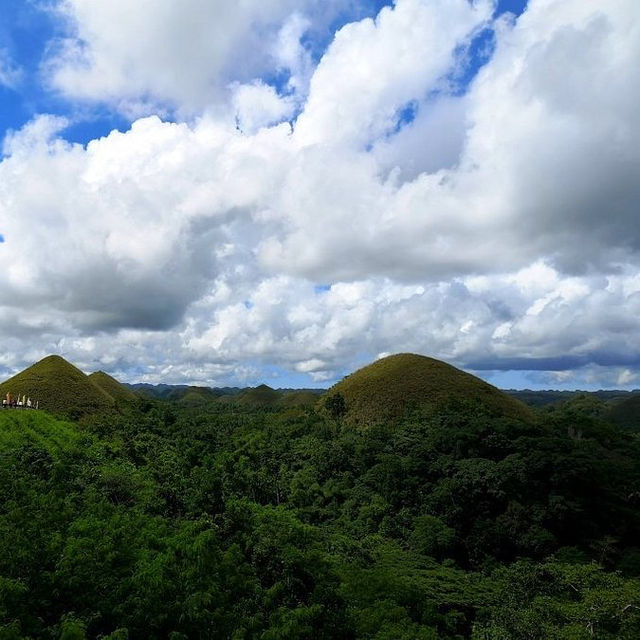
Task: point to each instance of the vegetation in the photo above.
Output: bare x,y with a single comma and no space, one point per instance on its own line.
626,413
224,520
112,387
393,386
261,396
59,387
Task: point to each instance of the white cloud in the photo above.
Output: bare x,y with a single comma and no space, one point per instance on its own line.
138,55
373,68
10,72
258,105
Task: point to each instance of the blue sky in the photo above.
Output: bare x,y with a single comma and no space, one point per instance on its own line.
288,190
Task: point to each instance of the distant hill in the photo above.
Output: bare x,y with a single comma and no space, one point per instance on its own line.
173,392
193,396
261,396
547,397
301,398
112,387
388,388
59,387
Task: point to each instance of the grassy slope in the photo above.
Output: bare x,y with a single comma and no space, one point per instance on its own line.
262,396
111,386
387,388
298,399
196,396
36,427
59,387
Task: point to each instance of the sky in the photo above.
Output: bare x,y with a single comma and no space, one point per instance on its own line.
282,191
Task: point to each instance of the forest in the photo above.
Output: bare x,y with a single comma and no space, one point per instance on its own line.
230,520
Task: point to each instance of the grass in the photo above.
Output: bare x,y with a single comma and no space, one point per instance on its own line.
298,399
112,387
262,396
392,386
59,387
19,428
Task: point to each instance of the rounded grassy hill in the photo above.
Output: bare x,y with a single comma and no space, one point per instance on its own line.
58,387
390,387
260,396
112,387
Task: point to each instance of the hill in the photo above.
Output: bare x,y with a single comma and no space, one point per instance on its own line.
392,386
193,396
298,398
59,387
544,398
261,396
112,387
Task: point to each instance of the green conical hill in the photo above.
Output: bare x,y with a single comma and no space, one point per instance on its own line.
262,396
196,396
112,387
385,390
59,387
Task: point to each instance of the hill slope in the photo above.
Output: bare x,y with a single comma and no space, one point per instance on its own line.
193,396
59,387
388,388
302,398
18,428
112,387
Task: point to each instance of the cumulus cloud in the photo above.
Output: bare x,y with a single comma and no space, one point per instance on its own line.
179,54
127,232
373,68
535,170
258,105
364,206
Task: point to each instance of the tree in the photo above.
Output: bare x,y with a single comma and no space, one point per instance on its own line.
336,405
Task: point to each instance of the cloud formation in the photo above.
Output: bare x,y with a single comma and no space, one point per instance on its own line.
182,55
10,72
362,205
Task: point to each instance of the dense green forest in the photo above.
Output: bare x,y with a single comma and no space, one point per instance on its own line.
161,520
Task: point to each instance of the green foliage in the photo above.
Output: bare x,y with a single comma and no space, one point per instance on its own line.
625,413
335,405
431,536
220,520
560,601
